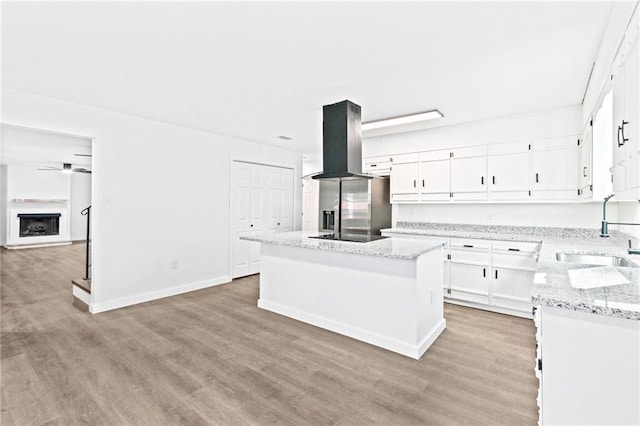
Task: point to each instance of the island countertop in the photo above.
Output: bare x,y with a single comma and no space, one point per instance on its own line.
552,284
394,248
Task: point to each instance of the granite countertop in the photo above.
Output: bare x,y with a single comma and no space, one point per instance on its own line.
394,248
552,285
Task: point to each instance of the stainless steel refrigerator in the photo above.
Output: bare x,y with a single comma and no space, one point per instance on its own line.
355,206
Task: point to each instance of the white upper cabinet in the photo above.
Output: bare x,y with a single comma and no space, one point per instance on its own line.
554,169
626,117
469,173
404,181
585,164
509,176
435,175
548,169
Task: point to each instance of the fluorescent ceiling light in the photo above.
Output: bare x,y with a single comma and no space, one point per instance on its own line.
404,119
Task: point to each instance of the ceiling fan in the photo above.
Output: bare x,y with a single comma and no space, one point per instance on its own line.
66,168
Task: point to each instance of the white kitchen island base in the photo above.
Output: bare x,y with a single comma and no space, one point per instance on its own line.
393,303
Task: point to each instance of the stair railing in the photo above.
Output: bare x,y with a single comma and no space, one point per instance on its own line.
87,261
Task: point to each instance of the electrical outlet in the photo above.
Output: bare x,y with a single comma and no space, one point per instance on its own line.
489,218
174,264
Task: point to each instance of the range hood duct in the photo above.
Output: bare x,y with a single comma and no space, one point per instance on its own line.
341,142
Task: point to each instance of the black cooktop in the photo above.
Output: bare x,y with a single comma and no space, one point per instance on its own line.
356,238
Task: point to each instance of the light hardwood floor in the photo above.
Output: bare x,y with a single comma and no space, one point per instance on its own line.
213,357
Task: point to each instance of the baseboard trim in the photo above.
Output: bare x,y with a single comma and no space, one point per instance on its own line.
28,246
410,350
495,309
110,305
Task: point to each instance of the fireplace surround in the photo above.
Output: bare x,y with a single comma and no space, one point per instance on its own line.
37,222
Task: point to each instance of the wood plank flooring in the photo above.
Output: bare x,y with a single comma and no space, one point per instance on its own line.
211,357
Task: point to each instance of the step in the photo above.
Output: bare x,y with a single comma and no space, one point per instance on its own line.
80,304
83,284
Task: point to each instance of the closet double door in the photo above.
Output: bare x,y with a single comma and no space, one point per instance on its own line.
261,200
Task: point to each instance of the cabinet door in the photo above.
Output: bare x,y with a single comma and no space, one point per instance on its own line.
469,282
555,173
310,198
509,171
618,169
632,118
240,218
469,173
285,214
511,288
435,180
404,182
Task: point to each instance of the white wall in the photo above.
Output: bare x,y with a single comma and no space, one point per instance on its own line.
522,127
600,79
629,212
80,199
29,182
160,193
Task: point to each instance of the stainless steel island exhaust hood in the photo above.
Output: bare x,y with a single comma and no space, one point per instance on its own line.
341,142
353,206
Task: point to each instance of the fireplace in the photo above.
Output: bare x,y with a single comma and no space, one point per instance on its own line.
35,222
39,224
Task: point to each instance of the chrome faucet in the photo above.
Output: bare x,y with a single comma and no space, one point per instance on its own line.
604,230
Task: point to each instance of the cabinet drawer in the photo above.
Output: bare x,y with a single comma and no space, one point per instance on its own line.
516,255
515,247
462,246
378,165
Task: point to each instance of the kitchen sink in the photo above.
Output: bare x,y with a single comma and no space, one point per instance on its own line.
595,259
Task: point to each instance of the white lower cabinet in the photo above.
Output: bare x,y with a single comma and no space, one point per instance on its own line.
470,262
487,274
588,367
511,288
469,282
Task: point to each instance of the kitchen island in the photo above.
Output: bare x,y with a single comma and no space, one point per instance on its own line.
387,292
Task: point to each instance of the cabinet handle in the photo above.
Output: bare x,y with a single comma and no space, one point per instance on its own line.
481,180
373,165
496,274
513,249
423,183
621,130
278,223
484,272
584,171
251,225
493,180
414,183
537,178
467,245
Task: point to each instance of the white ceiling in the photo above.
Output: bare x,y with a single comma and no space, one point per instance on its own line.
260,70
